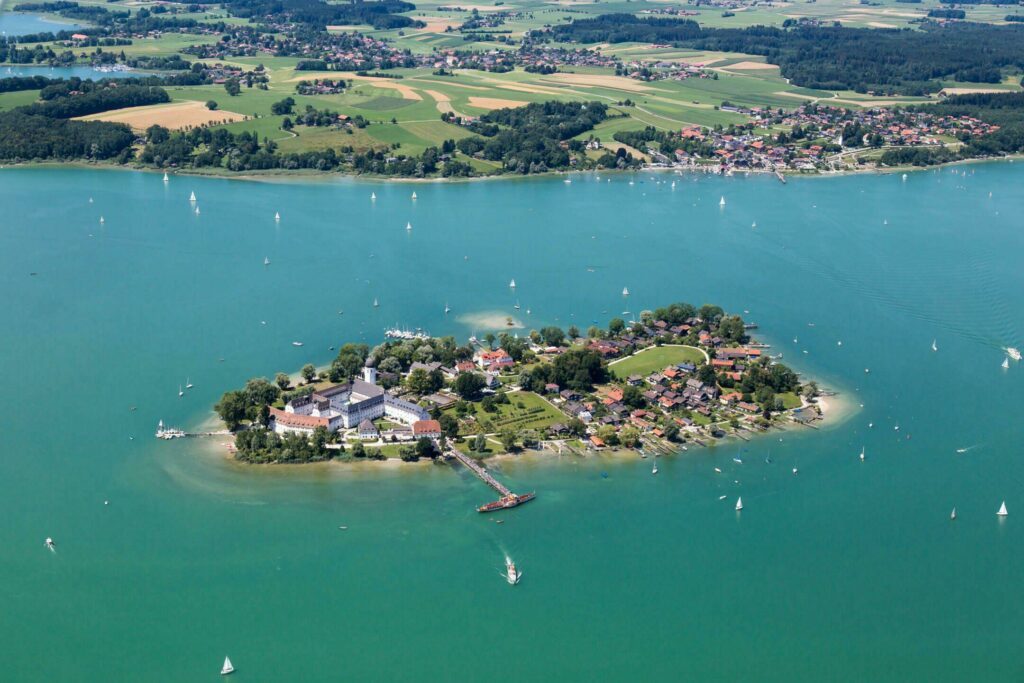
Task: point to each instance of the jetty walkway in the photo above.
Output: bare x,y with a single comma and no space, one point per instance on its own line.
479,471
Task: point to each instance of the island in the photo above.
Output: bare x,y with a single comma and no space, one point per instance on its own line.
677,377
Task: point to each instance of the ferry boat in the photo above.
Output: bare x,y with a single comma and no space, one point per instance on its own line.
506,502
1013,353
511,573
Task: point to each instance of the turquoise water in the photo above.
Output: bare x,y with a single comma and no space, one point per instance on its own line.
21,24
847,571
65,72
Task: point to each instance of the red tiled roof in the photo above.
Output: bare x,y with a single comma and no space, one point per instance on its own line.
426,427
293,420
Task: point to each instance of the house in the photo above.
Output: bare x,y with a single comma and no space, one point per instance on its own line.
634,380
493,359
368,431
597,442
748,407
570,395
464,366
430,429
551,388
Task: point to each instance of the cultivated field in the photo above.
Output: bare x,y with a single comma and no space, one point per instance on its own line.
175,115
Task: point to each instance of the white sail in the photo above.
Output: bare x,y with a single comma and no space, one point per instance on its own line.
197,210
375,304
408,226
227,668
862,453
935,347
166,179
1002,510
512,284
266,260
101,220
625,291
739,504
414,195
721,202
373,196
952,515
1006,363
192,197
277,216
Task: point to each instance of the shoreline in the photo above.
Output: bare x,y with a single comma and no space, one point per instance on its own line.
310,176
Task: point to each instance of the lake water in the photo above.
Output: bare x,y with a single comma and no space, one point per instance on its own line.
847,571
66,72
21,23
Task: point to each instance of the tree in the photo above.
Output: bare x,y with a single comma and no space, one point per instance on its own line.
630,437
489,338
282,380
425,448
358,450
260,392
811,390
480,443
449,426
608,434
211,105
508,440
633,397
553,336
671,432
232,87
574,332
282,107
231,408
616,326
576,427
287,124
419,382
308,373
468,385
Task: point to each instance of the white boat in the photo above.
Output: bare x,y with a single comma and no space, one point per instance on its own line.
904,177
935,347
188,384
192,197
166,179
197,210
180,392
625,291
512,284
862,454
266,260
1006,364
721,202
1002,510
754,224
163,432
414,195
567,181
447,308
795,470
102,221
408,226
50,544
512,574
375,304
654,470
277,216
952,515
373,196
718,470
1012,353
296,343
739,504
517,307
228,668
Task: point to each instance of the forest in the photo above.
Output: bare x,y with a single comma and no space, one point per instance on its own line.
381,14
883,61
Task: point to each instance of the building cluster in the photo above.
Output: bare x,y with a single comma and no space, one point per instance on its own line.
816,134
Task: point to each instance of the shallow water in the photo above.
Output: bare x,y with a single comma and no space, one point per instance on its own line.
847,571
10,71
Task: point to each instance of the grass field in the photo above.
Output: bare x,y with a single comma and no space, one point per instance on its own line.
525,410
655,359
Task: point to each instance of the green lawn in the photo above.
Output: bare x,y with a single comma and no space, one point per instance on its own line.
655,359
525,410
790,400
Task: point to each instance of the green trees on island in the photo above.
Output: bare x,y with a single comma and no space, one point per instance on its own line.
251,403
468,385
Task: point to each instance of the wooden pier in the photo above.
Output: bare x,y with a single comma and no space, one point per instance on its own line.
479,470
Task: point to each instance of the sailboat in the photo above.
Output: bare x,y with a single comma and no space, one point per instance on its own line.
266,260
1002,510
277,217
192,197
516,306
904,177
721,202
739,504
935,347
197,210
414,195
512,284
447,308
862,454
102,221
952,515
654,470
180,392
754,224
625,291
188,384
228,668
375,304
373,196
1006,364
166,179
50,544
408,226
